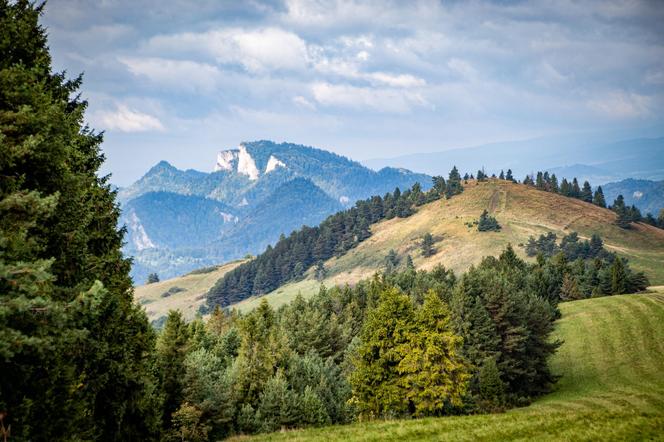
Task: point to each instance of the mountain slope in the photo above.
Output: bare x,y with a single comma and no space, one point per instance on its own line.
647,195
175,220
521,210
185,293
610,388
180,220
294,204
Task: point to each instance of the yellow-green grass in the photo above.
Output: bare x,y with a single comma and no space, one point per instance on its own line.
522,211
611,386
187,301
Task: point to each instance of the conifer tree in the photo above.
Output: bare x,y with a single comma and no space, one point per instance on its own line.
434,375
598,199
427,245
501,176
575,191
618,277
439,185
376,379
152,278
454,186
587,192
491,388
75,350
172,348
509,176
554,184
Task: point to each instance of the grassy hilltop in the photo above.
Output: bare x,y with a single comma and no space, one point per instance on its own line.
611,385
521,210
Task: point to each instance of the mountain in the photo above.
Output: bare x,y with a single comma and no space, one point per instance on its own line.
568,156
521,210
179,220
175,220
647,195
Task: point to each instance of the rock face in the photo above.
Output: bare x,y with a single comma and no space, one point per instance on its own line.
179,220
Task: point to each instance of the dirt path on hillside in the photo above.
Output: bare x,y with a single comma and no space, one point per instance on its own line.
493,202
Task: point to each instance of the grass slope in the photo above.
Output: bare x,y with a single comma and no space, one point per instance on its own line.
522,211
194,286
611,386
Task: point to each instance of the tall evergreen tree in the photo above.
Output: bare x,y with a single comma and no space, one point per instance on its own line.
172,348
509,176
598,198
75,351
575,191
427,245
454,186
587,192
434,375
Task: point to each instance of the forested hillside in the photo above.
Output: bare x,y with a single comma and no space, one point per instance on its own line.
521,210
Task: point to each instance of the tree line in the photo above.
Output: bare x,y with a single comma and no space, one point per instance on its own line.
292,256
625,215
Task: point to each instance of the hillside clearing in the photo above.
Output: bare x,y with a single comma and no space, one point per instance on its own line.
611,387
186,294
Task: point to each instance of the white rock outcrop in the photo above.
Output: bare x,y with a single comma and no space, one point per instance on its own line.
272,163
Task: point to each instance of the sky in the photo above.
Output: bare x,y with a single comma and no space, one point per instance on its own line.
180,80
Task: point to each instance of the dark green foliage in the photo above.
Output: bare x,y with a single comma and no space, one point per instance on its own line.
498,316
75,352
171,352
152,278
508,175
454,186
586,193
491,389
579,269
598,198
427,245
502,175
487,223
391,261
302,249
624,218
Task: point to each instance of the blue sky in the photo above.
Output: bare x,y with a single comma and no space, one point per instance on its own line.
179,80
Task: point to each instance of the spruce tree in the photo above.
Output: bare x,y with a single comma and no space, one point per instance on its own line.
509,176
427,245
501,176
434,375
618,277
454,186
598,199
172,348
76,350
575,191
587,192
376,379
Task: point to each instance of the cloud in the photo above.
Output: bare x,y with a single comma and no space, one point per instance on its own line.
621,105
178,74
125,119
256,50
303,102
381,100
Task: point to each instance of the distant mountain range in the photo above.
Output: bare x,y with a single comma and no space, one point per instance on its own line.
647,195
588,159
180,220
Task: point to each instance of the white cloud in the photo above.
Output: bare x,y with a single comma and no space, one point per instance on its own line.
303,102
621,105
381,100
403,80
256,50
125,119
178,74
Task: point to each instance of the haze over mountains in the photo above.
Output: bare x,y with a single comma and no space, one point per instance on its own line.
179,220
587,158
